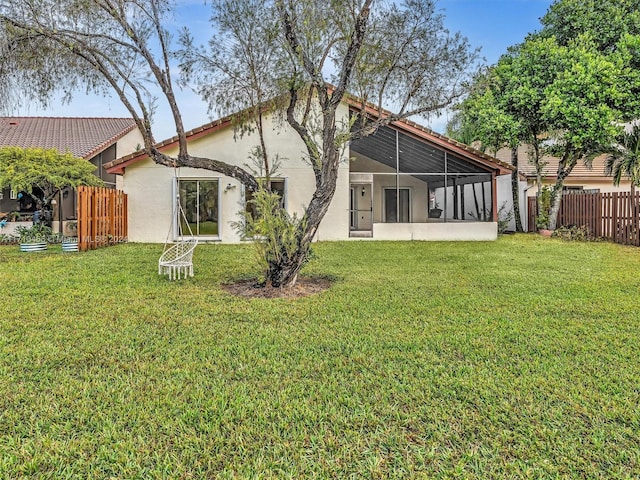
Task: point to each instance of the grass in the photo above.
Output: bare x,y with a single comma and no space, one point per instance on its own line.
512,359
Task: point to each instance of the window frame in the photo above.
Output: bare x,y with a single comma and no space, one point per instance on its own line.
177,215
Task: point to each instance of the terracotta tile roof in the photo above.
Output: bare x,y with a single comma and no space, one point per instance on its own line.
83,137
118,165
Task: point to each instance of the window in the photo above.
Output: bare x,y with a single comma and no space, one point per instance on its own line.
277,186
13,195
200,202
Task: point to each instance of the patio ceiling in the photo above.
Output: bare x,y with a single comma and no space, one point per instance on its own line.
415,155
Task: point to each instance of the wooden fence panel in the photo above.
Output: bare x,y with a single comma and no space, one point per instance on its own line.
532,212
613,216
102,217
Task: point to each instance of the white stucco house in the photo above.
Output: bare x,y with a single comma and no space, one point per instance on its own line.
405,182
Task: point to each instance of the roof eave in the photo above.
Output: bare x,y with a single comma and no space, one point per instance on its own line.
107,143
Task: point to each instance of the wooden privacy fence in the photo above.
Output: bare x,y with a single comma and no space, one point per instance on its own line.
532,212
613,216
102,217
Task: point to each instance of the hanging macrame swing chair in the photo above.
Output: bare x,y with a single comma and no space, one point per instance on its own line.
176,260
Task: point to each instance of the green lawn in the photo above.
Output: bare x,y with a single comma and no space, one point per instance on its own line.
512,359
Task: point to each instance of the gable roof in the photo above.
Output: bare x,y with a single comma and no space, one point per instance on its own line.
442,141
83,137
412,128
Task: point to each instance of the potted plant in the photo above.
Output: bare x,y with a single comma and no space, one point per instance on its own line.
34,238
436,211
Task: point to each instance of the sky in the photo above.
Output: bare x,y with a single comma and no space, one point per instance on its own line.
492,25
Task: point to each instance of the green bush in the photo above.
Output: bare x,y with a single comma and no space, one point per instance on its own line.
37,233
274,232
545,200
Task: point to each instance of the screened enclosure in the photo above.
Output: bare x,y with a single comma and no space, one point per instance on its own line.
398,178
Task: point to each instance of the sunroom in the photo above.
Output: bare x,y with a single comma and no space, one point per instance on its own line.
408,183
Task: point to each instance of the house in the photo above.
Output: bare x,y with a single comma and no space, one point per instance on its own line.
98,140
404,182
583,178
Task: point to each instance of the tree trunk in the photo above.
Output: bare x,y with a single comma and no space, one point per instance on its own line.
537,163
284,274
515,190
556,200
565,167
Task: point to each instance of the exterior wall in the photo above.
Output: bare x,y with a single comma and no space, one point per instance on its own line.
151,190
506,198
129,143
591,176
8,205
605,185
450,231
417,188
10,227
150,187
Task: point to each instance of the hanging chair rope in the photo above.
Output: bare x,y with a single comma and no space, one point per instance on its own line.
177,258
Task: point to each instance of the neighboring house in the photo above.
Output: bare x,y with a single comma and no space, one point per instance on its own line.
582,178
98,140
404,182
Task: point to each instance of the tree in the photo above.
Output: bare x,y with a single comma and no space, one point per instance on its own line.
562,100
604,36
22,169
398,54
568,87
504,108
607,21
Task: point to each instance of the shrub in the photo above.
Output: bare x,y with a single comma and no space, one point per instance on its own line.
38,232
504,217
273,231
573,233
545,200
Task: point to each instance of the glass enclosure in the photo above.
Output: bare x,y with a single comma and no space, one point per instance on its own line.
412,181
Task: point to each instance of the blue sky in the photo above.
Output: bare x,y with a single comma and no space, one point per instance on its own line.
492,25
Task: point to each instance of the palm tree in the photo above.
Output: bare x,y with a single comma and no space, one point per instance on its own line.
624,160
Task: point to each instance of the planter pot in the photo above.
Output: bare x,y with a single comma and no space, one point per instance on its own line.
69,246
545,232
435,213
33,247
